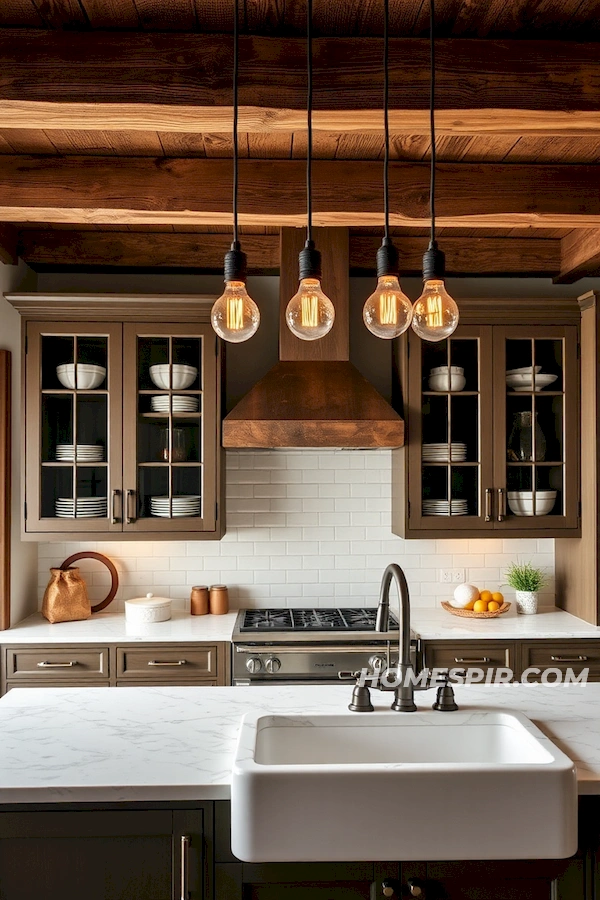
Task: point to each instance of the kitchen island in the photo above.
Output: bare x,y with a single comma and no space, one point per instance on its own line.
124,793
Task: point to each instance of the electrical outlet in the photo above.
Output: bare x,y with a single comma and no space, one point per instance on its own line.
452,576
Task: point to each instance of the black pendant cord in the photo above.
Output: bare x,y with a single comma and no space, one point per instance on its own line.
235,121
386,120
309,102
432,118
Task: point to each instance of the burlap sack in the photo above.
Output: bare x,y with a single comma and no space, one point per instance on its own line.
65,598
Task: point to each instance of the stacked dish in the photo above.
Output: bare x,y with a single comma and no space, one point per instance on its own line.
181,403
177,506
529,378
447,378
454,452
85,507
88,376
85,453
521,502
445,508
178,377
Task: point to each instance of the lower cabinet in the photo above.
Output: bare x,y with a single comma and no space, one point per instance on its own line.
149,854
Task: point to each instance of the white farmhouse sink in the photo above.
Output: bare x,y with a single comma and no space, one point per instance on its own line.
393,786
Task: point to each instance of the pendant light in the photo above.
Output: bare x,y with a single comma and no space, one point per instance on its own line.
388,312
435,314
235,316
310,313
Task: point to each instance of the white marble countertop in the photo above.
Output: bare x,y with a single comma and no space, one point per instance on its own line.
429,624
128,744
111,628
439,625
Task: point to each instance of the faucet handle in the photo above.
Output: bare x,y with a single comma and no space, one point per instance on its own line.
444,701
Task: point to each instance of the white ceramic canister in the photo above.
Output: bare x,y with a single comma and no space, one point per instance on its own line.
148,609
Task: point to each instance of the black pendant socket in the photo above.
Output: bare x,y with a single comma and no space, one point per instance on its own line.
434,263
309,262
388,259
235,264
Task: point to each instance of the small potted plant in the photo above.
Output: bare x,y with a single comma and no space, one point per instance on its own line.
526,581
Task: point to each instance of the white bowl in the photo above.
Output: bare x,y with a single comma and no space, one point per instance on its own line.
525,382
525,370
446,382
442,370
182,377
521,502
88,376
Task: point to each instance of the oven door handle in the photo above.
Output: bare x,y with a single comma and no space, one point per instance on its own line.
327,648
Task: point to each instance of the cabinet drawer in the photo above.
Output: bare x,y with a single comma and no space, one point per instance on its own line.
484,655
167,664
575,655
57,664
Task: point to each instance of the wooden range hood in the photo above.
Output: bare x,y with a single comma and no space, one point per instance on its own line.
314,397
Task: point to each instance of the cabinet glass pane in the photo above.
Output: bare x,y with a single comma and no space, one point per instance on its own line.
74,426
450,419
535,427
169,430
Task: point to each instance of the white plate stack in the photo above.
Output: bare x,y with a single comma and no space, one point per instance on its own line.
454,452
181,403
87,507
182,505
445,508
529,378
85,453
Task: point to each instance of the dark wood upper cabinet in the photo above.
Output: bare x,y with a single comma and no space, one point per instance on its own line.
492,418
144,416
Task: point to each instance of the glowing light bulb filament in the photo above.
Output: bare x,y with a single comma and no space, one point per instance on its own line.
310,311
235,313
435,317
388,309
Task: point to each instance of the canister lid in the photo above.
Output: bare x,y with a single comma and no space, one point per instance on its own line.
150,602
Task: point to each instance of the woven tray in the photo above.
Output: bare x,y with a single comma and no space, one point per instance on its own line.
471,614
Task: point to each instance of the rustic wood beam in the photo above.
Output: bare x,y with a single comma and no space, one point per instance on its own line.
182,82
136,191
464,256
580,255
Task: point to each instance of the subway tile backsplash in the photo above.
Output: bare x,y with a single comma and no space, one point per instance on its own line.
307,527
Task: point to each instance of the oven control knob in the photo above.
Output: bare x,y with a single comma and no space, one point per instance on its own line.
254,664
378,663
272,665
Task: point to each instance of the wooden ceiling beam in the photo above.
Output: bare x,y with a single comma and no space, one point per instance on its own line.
137,191
464,256
580,255
182,83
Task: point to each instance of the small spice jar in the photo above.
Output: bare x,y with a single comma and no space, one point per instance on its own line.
199,600
219,599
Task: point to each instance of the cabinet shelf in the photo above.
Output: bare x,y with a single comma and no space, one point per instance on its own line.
193,392
95,392
443,464
450,393
175,415
69,465
530,463
165,465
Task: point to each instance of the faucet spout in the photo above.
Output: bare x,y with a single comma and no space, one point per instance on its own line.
404,700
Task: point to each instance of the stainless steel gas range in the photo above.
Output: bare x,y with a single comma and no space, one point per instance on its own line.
310,646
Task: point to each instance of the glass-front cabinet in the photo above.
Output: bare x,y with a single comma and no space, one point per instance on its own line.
493,423
122,429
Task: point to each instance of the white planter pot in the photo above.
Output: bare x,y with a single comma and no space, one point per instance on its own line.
527,602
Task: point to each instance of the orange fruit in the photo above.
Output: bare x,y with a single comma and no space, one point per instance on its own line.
470,605
493,605
486,596
480,606
497,597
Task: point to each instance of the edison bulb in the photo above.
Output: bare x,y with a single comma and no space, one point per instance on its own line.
388,311
310,313
435,314
235,316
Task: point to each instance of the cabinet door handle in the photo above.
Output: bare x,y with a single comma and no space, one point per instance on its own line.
501,504
488,504
158,662
115,519
184,871
57,665
569,658
464,659
129,517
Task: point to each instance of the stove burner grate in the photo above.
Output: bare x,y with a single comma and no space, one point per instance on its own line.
346,619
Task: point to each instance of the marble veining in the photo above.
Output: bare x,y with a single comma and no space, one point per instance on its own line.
178,743
439,625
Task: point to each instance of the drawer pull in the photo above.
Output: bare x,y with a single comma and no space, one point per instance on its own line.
158,662
51,665
185,866
464,659
568,658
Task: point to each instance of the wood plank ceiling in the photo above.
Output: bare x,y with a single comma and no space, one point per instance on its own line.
509,140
